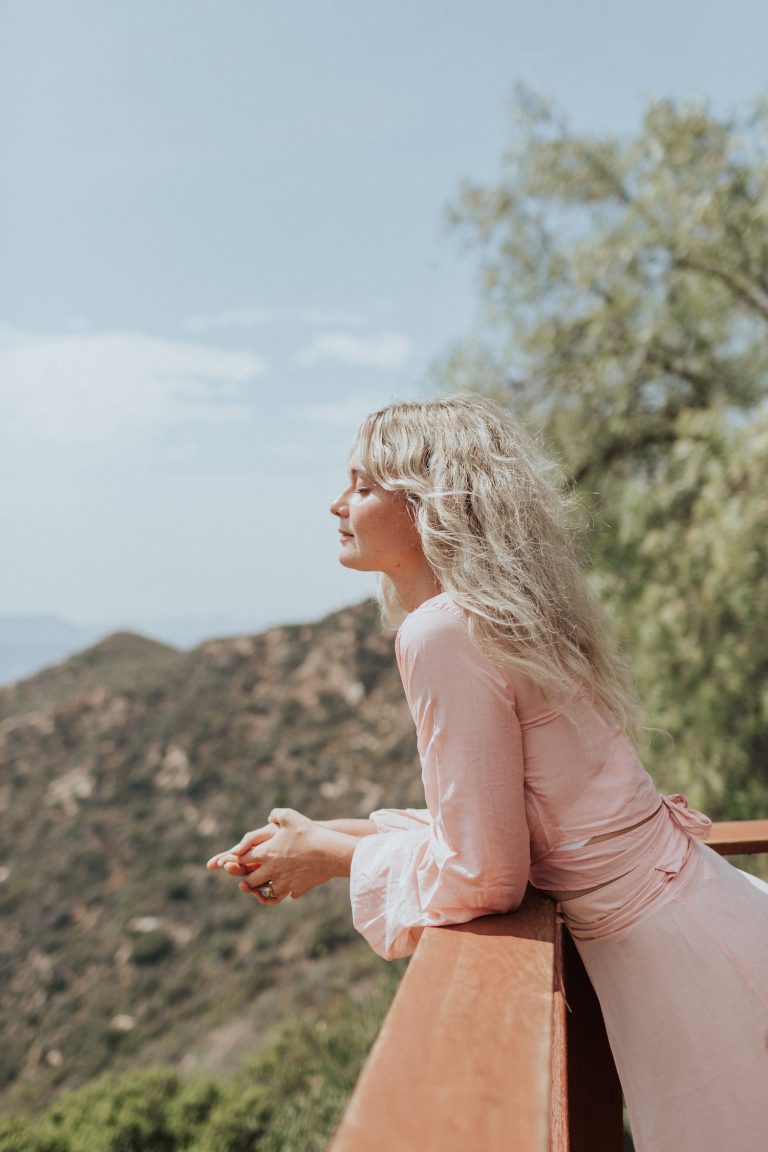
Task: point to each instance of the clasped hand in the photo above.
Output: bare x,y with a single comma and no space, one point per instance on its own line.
290,852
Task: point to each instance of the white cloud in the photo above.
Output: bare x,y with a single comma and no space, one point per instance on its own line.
389,350
87,389
246,318
258,317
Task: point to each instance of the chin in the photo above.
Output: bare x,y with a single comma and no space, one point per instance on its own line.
356,563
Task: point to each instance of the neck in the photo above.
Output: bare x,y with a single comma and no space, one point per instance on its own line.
416,586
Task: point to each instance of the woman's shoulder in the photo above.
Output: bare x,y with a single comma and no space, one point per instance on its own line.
434,642
438,616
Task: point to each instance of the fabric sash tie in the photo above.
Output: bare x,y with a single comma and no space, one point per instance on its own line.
695,823
633,870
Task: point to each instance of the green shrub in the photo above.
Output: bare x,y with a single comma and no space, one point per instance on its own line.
21,1134
328,935
290,1098
132,1114
151,947
240,1121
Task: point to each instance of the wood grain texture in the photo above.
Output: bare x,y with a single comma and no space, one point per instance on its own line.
464,1058
558,1105
734,837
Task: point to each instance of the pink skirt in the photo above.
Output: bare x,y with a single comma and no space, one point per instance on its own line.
683,985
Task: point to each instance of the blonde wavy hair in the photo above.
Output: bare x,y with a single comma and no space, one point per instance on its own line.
496,528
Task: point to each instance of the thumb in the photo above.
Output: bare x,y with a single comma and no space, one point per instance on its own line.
251,840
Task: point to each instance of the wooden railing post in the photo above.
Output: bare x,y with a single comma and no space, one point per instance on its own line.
595,1121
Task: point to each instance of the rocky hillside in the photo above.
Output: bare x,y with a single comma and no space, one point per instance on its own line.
121,771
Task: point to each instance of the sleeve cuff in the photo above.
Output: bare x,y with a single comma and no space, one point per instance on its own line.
377,911
401,819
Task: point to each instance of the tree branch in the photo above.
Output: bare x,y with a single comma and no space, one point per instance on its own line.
686,264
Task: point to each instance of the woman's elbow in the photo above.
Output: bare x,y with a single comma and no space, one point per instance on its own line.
485,892
506,896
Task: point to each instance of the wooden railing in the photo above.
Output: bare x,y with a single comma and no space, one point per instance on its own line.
479,1051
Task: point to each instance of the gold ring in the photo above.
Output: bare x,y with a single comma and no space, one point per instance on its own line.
266,891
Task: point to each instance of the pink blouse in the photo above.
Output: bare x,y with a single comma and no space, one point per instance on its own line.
511,786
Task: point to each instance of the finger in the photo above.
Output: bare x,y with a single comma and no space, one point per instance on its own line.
243,865
252,839
222,859
254,857
263,877
256,876
216,863
276,898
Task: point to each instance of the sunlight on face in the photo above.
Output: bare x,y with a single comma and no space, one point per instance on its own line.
376,526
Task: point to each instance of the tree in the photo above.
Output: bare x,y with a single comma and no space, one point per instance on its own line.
626,290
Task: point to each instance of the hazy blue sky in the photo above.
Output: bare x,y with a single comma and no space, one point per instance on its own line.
222,241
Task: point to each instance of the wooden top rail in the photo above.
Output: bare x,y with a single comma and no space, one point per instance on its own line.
479,1051
463,1060
733,837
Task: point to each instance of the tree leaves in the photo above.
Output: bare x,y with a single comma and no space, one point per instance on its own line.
626,290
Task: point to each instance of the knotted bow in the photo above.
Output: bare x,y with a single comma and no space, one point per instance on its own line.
695,823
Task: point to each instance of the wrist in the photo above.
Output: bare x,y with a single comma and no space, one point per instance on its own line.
351,826
338,850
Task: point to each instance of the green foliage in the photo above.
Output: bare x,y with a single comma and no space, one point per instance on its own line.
627,307
130,1115
695,602
329,935
289,1099
625,279
151,947
22,1134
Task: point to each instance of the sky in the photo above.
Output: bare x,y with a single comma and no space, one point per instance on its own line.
223,240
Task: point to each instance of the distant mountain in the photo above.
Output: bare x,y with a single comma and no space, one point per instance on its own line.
121,770
29,643
32,642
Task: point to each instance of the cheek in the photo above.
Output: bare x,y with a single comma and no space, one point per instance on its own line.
403,535
386,528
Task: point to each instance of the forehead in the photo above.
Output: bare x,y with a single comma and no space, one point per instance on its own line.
354,464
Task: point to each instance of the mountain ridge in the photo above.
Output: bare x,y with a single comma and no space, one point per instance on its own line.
123,769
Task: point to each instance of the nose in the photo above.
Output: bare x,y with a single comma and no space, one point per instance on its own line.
339,506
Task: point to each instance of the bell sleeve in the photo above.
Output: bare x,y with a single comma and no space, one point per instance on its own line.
468,853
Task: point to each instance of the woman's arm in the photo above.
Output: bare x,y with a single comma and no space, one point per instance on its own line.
472,856
350,827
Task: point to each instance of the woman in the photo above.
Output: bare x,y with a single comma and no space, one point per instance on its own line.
523,713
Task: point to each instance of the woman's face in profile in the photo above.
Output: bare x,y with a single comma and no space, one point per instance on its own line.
376,527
